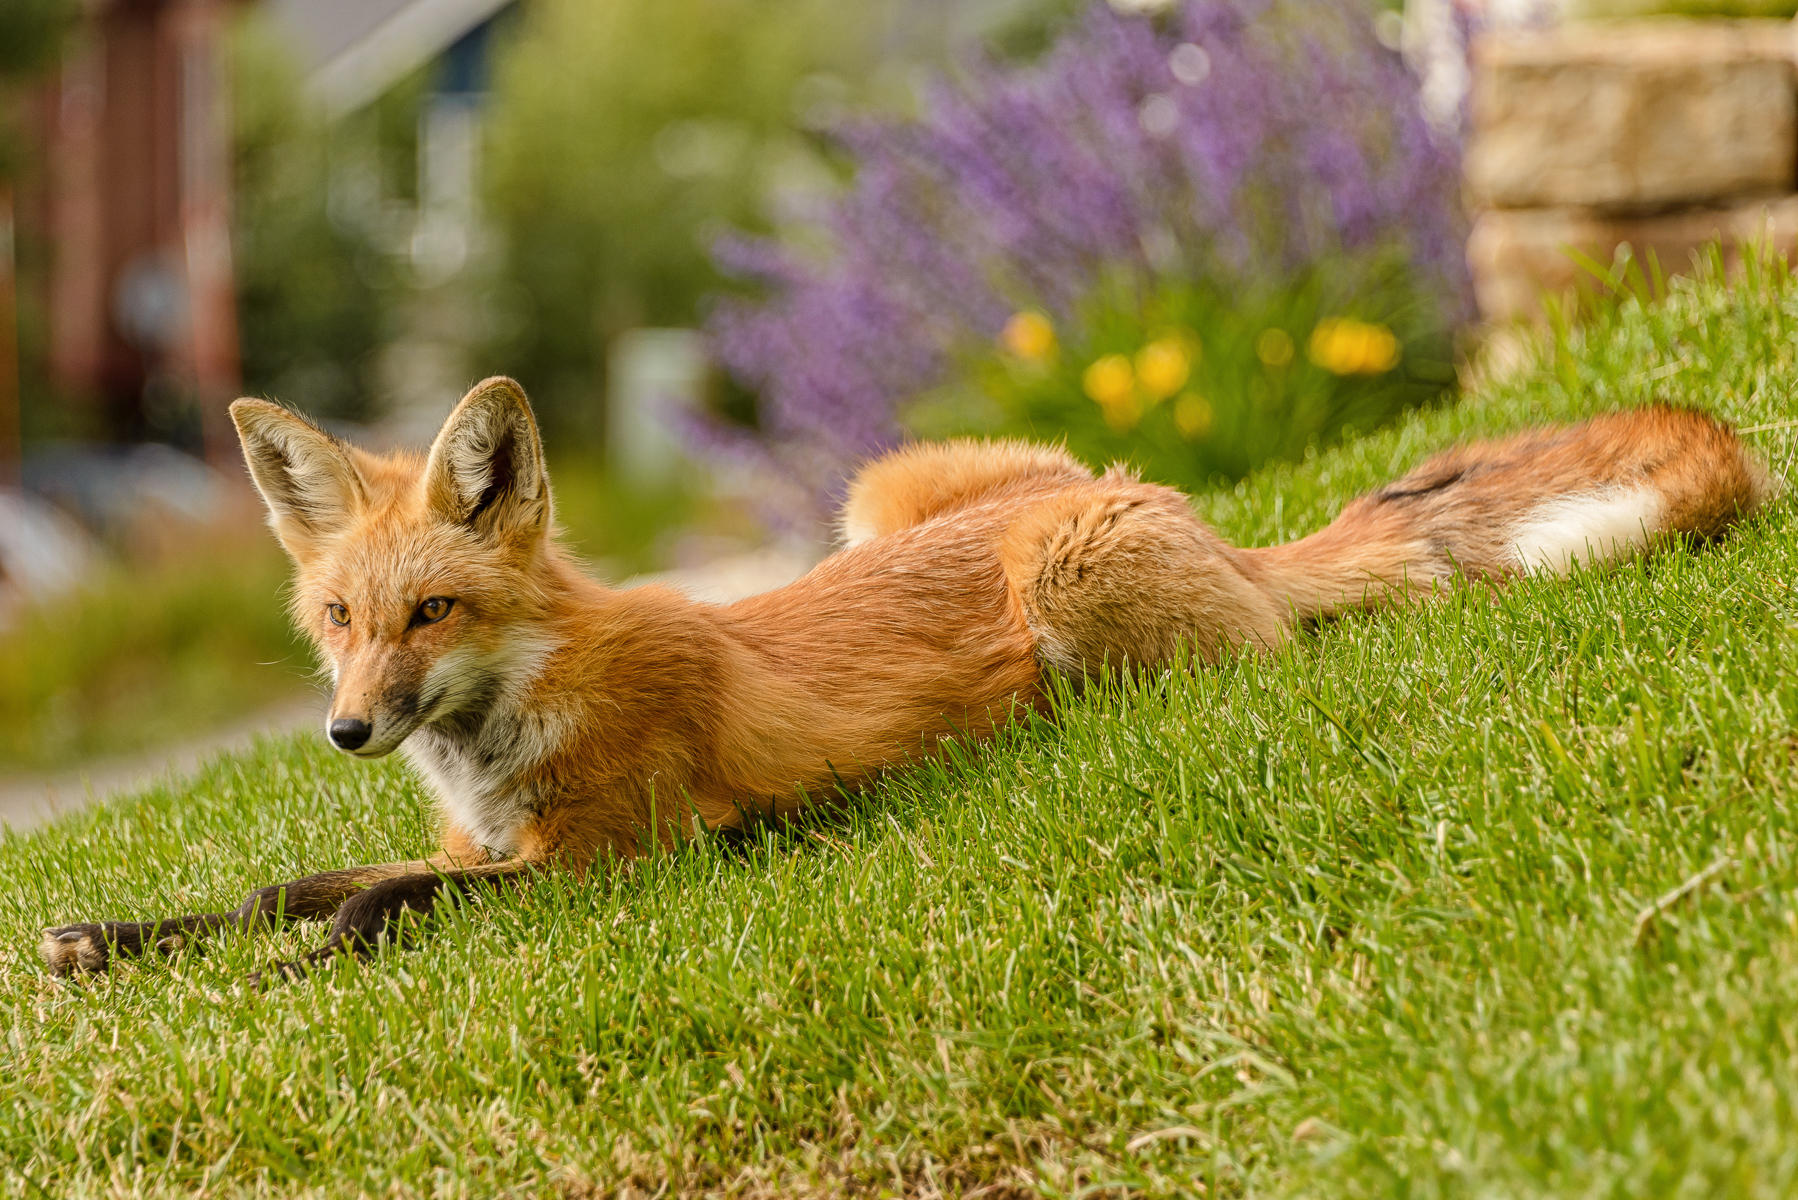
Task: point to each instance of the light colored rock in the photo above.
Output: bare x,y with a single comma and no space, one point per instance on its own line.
1633,116
1518,255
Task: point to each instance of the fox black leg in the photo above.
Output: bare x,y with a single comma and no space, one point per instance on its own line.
379,914
69,949
92,947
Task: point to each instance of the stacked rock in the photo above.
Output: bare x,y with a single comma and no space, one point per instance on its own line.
1663,134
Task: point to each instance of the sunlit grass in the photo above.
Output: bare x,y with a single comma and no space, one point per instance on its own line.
1362,918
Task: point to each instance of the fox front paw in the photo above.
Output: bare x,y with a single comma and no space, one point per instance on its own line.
69,949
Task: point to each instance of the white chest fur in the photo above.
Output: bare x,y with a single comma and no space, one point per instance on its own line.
484,764
484,803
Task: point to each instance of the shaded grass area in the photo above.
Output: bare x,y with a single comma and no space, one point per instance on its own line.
1362,918
149,656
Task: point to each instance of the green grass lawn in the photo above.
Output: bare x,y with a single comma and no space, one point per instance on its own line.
1359,919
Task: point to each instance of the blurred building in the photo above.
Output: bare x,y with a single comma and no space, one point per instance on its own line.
131,199
354,51
352,54
130,192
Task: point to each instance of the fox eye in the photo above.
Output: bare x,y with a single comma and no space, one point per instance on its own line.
433,610
338,613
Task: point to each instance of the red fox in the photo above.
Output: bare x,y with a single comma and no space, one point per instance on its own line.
563,723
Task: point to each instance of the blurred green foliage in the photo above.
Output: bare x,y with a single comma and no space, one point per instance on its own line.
624,138
317,289
31,32
1606,9
1195,386
622,529
147,656
621,137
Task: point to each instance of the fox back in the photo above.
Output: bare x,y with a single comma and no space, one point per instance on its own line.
556,718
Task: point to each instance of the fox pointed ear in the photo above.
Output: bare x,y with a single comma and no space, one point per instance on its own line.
305,475
486,468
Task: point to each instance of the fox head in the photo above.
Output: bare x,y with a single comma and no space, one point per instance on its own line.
412,576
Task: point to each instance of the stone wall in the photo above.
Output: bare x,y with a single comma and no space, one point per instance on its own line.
1665,134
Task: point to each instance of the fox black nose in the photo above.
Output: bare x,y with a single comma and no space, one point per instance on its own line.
347,733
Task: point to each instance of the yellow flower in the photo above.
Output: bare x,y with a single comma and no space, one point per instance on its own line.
1345,346
1192,416
1110,381
1029,336
1124,414
1353,341
1324,347
1379,353
1162,367
1274,347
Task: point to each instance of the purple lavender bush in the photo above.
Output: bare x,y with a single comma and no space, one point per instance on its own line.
1194,240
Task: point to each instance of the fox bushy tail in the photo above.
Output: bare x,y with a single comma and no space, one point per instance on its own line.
1537,502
